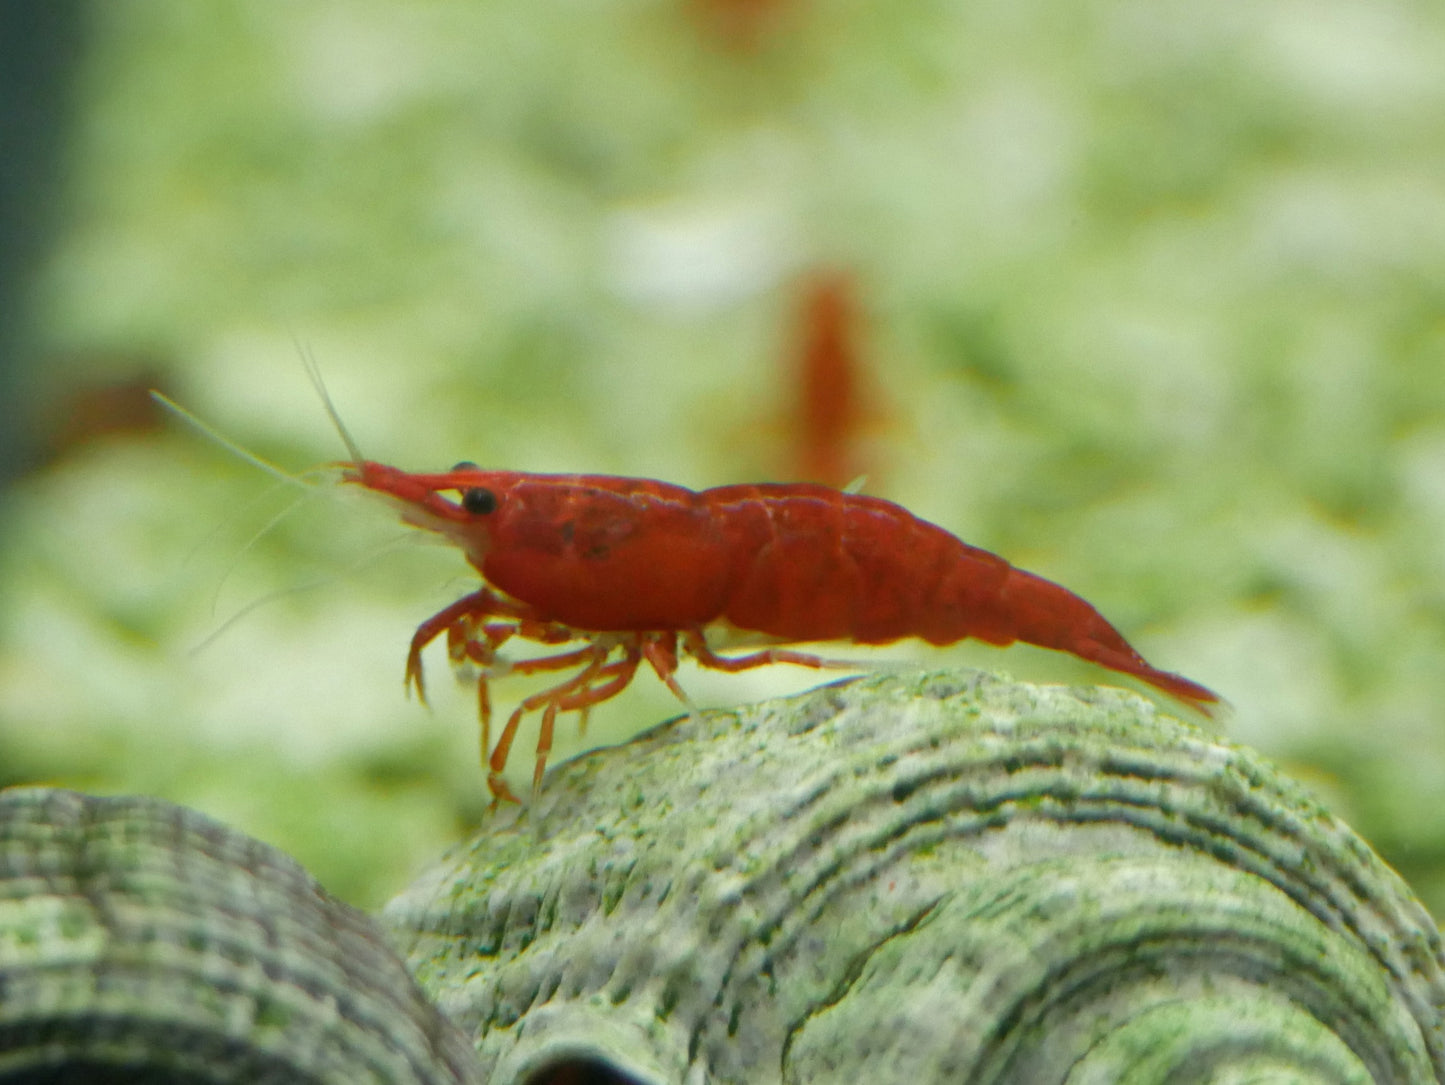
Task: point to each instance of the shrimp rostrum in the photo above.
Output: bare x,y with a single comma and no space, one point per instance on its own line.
636,570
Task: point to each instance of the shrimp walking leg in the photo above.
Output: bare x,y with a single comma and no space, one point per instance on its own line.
523,666
600,678
660,649
577,693
698,647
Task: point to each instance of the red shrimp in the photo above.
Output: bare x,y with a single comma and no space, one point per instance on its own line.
828,413
637,569
740,25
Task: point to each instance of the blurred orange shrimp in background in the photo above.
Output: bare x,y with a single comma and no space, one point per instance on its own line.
740,25
828,382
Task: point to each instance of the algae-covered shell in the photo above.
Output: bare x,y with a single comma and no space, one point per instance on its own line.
143,942
937,878
928,879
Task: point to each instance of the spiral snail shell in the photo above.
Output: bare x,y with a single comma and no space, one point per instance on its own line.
927,878
930,879
143,942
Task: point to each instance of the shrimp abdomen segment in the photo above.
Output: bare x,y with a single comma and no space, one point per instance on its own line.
1051,616
788,574
810,564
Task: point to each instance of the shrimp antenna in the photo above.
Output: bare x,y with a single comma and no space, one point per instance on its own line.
298,589
212,434
314,372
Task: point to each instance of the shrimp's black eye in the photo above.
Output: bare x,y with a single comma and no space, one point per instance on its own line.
465,465
479,501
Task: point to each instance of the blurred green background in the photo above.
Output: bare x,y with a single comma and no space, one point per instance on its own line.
1152,302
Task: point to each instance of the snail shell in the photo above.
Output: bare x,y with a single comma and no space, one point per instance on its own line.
924,879
928,879
143,942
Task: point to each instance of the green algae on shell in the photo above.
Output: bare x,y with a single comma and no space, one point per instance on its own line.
926,878
141,941
929,878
